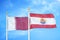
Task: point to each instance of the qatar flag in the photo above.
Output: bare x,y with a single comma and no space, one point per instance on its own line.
42,21
17,23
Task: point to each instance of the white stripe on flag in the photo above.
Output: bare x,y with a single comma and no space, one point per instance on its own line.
11,23
36,20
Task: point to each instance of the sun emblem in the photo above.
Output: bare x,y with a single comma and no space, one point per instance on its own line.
42,21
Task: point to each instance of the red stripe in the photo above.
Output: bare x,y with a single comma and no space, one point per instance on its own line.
42,15
21,23
42,26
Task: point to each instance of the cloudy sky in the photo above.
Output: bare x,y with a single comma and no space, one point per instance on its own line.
20,8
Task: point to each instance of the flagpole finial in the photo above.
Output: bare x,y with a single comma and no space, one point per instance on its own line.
29,9
6,12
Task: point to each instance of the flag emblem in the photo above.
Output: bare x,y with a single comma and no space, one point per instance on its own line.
42,21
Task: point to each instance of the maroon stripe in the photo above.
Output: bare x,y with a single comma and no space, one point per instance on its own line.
21,23
42,15
42,26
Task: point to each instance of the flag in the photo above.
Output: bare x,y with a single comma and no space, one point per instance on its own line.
17,23
42,21
35,21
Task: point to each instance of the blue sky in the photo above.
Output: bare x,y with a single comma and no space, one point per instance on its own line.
19,8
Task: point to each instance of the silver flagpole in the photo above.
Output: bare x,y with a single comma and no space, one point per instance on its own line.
28,24
6,25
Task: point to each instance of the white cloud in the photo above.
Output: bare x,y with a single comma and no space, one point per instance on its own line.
53,7
23,12
35,7
46,7
44,2
55,12
20,12
58,0
8,4
18,32
23,33
40,6
36,2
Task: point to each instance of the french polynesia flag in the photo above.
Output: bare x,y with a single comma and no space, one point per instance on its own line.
42,21
17,23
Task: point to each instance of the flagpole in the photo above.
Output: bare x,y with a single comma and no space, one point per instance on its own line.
6,25
28,24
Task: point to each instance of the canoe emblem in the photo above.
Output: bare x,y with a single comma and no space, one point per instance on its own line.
42,21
